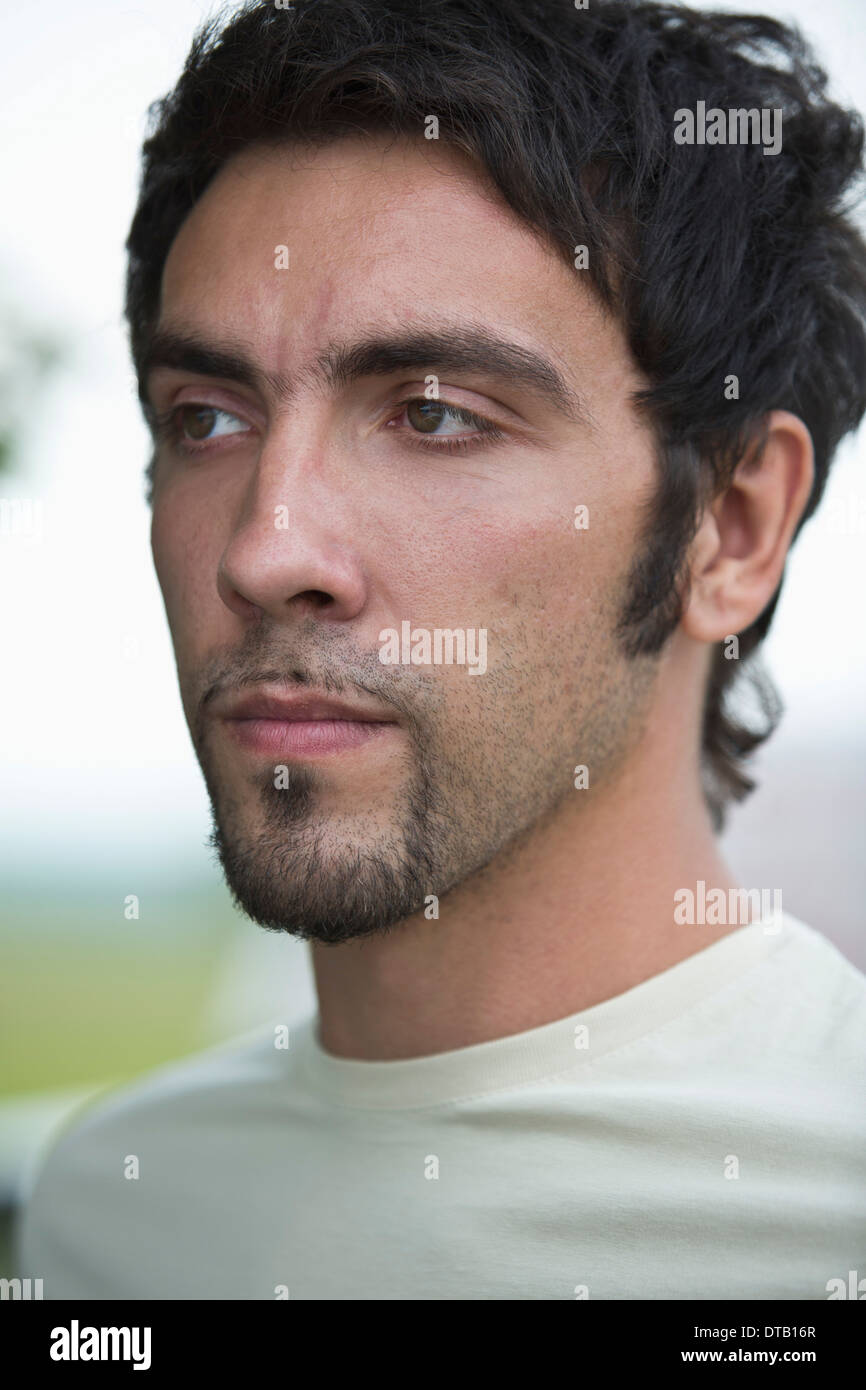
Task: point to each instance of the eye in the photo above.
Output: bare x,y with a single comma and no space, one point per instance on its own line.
195,426
432,418
205,422
427,416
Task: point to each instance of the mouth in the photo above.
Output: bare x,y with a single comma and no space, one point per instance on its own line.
303,726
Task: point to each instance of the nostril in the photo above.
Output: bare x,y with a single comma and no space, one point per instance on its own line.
317,598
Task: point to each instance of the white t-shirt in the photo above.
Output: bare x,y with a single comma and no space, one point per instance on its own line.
700,1136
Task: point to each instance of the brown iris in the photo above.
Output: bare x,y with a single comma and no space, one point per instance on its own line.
197,421
425,415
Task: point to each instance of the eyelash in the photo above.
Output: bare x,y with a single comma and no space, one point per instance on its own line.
487,432
166,428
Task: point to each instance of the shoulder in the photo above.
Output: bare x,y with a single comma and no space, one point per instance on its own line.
189,1086
811,985
167,1121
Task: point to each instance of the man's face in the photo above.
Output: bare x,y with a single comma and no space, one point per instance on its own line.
315,509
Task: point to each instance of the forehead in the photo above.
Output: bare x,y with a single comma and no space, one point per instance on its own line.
375,231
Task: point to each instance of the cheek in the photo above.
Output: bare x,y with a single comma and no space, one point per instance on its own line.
546,571
166,543
557,538
180,556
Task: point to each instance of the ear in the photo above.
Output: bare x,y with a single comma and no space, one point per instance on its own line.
738,553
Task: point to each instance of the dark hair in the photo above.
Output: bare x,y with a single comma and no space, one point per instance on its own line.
715,259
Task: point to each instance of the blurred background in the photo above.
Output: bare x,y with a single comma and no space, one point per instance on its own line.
103,798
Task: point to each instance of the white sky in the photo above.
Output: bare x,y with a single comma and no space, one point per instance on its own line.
93,739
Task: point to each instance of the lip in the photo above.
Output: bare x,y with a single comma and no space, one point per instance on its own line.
302,725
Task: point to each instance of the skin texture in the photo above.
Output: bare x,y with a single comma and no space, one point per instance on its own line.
551,899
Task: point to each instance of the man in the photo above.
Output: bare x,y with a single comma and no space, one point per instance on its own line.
488,394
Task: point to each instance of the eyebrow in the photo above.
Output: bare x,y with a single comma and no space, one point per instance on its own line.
466,348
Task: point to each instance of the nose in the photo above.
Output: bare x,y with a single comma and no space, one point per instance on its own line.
294,549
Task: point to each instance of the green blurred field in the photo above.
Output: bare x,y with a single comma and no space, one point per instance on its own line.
91,999
86,996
